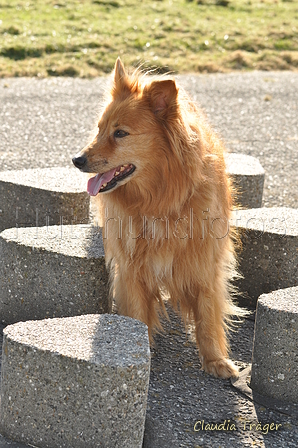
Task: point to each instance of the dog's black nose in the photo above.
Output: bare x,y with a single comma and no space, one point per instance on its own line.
79,162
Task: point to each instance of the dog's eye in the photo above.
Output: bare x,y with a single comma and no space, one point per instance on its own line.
120,133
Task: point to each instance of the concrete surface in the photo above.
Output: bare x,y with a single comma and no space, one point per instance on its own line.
76,382
276,334
43,123
268,259
54,271
43,196
247,175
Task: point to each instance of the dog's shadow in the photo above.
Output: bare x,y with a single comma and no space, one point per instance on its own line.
180,392
94,246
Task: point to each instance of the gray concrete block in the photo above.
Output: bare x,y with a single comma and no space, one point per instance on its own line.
268,259
54,271
76,382
248,177
274,360
43,196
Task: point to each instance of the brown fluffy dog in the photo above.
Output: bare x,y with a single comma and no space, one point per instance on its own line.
165,202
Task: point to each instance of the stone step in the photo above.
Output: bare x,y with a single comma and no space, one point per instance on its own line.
274,361
75,382
49,196
268,259
43,196
248,177
54,271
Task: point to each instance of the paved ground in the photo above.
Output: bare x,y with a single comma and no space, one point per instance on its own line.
44,123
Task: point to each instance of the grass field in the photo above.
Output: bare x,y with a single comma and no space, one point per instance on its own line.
83,38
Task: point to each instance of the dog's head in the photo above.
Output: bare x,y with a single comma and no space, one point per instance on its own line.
130,145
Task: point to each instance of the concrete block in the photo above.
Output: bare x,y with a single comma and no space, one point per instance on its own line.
268,259
274,360
54,271
248,177
76,382
43,196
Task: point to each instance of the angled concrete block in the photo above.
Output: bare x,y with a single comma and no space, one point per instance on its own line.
43,196
248,177
274,360
268,259
76,382
52,271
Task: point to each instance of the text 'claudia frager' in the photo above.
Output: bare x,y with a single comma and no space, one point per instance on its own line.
227,425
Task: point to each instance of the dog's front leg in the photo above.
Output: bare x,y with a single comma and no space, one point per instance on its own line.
135,298
210,328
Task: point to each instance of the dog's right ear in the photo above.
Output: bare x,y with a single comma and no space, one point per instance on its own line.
162,96
121,81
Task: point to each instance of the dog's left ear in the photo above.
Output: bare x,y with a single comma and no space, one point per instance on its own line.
121,82
162,96
119,74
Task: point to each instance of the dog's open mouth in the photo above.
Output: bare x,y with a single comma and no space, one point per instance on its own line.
106,181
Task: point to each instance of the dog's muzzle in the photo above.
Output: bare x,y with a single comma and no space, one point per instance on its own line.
79,162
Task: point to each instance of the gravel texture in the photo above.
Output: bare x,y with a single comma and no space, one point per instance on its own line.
276,333
180,394
43,196
43,123
247,175
76,382
53,271
268,259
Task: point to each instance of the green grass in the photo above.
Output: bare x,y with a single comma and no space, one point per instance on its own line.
83,38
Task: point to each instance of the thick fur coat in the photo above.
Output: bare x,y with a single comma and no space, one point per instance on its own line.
164,199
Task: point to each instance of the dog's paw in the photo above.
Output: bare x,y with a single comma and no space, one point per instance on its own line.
221,368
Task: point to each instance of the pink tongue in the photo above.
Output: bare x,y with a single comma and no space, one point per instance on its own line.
95,183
